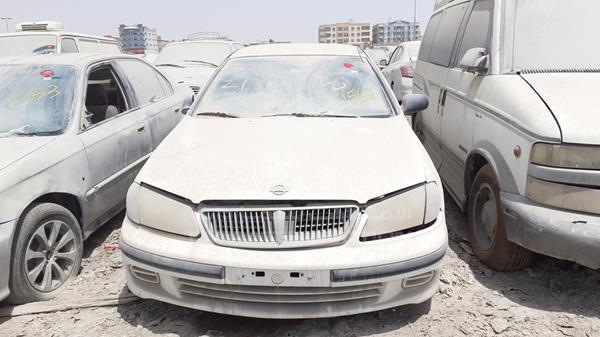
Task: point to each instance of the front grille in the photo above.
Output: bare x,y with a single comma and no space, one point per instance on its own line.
279,227
195,89
280,295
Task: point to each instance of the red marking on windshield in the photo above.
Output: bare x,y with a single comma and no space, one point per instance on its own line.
47,73
348,65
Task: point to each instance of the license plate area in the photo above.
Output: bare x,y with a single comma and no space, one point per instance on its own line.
277,278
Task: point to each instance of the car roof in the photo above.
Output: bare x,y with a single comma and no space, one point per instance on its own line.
59,33
227,42
76,59
290,49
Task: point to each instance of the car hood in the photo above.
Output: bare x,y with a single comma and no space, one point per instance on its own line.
190,76
571,99
313,158
16,147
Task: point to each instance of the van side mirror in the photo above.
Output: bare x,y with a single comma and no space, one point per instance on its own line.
476,61
413,103
383,63
187,104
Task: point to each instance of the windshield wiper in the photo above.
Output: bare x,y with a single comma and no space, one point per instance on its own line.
22,131
217,114
325,114
170,65
202,62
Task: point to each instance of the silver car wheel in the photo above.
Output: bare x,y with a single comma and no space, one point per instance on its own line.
486,217
50,256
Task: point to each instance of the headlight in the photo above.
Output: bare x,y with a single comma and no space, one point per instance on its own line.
159,211
563,196
398,214
566,156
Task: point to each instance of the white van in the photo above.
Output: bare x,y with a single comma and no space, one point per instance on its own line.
48,37
512,125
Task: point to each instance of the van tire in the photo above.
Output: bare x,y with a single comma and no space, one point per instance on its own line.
490,242
62,234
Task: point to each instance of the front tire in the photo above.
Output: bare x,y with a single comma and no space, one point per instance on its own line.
46,253
487,231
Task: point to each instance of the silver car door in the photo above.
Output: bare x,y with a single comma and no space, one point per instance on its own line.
161,105
117,142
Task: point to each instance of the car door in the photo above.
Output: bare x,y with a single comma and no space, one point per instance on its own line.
159,101
114,132
432,73
463,90
395,75
387,71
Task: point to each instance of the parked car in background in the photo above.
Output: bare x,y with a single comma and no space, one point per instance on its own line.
48,37
193,62
318,201
399,69
512,126
74,131
377,55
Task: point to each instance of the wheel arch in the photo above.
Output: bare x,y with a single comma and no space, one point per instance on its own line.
484,153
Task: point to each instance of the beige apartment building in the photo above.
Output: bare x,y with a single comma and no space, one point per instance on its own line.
358,34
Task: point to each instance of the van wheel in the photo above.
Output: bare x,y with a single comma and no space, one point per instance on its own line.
46,254
487,231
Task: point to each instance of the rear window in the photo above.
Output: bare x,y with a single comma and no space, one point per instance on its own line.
35,99
27,45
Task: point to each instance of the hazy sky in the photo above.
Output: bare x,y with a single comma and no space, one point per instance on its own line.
246,21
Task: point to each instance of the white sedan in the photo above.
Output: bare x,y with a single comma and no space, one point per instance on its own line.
399,68
295,189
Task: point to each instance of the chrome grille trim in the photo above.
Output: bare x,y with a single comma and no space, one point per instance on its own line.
279,227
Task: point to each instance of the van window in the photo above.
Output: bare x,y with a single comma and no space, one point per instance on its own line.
109,47
68,45
478,33
89,46
441,51
144,80
429,36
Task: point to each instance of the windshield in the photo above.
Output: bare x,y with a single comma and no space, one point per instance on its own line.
35,99
27,45
309,85
377,55
556,35
186,54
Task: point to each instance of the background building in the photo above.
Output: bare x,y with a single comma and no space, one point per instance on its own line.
358,34
395,32
138,39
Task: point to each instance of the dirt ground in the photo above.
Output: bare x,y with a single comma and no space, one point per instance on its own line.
552,298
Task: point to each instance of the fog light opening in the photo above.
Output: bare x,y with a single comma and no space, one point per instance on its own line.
144,275
419,280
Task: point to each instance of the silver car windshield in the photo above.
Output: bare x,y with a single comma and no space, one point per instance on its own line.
302,86
27,45
35,99
186,54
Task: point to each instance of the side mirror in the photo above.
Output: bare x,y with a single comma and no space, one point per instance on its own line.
383,63
187,104
476,61
413,103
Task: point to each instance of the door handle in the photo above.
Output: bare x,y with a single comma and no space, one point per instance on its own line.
141,130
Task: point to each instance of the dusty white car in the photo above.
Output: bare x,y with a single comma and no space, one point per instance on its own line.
512,126
378,55
74,131
48,37
399,69
192,63
295,188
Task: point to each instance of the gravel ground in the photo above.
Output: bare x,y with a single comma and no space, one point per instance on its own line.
552,298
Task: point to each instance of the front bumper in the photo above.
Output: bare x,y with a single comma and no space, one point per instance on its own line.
6,233
348,279
558,233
